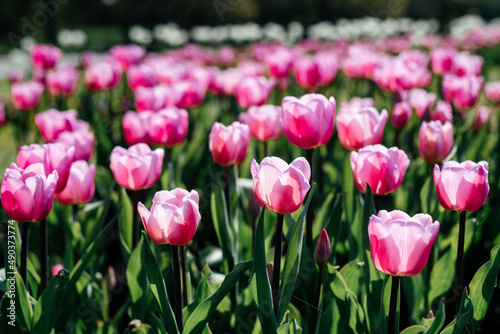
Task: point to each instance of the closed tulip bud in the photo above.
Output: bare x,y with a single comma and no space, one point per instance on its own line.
27,193
229,144
281,187
80,187
492,91
482,117
136,126
401,114
81,139
323,249
308,122
253,91
462,186
169,126
400,245
137,167
173,218
26,96
361,128
435,141
382,168
45,56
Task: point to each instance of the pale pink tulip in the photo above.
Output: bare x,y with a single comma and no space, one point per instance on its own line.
229,144
62,82
435,141
360,128
26,95
81,139
463,91
264,122
80,187
482,117
253,91
492,91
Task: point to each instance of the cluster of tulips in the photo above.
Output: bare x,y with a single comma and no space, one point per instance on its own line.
168,92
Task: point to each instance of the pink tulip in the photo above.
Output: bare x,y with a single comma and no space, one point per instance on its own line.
56,269
229,144
154,98
400,245
401,114
225,82
169,74
492,91
102,76
27,194
169,126
127,55
465,64
2,113
54,157
441,60
382,168
15,75
45,56
52,122
279,63
306,73
264,122
80,187
462,187
136,127
190,94
422,101
62,82
253,91
81,139
281,187
137,167
356,103
361,128
308,122
463,91
435,141
482,117
442,112
323,250
360,62
26,95
251,68
142,75
173,218
328,67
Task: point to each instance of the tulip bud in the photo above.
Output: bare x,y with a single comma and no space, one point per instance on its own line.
270,270
323,249
56,269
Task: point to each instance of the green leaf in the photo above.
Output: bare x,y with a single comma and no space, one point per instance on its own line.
137,281
125,225
221,223
158,288
438,321
259,280
48,306
292,261
202,292
24,311
156,322
324,214
203,313
416,329
353,275
464,317
483,285
442,275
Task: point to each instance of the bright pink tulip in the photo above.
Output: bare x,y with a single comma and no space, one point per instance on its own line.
401,114
323,250
127,55
382,168
27,194
328,67
361,128
169,126
136,127
441,60
279,63
154,98
102,76
442,112
306,73
356,103
81,139
26,95
482,117
281,187
80,187
465,63
400,245
52,122
492,91
173,218
137,167
142,75
308,122
54,157
463,91
229,144
462,187
190,94
45,56
2,113
422,101
264,122
253,91
435,141
62,82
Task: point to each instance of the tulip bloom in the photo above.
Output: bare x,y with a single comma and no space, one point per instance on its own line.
27,194
137,167
422,101
81,139
492,91
264,122
102,76
127,55
401,114
173,218
441,60
361,128
463,91
382,168
154,98
482,117
462,186
169,126
442,112
435,141
281,187
141,76
400,245
465,63
62,82
306,73
229,144
253,91
308,122
189,94
26,95
45,56
52,122
80,187
356,103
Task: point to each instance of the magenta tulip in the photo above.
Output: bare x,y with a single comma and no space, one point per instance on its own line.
264,122
281,187
142,75
80,187
442,112
463,91
382,168
441,60
465,64
62,82
308,122
137,167
27,194
421,101
400,245
45,56
102,76
173,218
279,63
26,95
229,144
328,67
360,128
189,94
306,73
462,186
2,113
136,127
154,98
323,250
81,139
356,103
253,91
401,114
435,141
52,122
127,55
169,126
482,117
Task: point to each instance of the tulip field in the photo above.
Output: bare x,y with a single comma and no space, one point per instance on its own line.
348,186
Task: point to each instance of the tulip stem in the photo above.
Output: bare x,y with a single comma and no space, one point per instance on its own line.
277,263
135,220
265,149
309,213
170,165
44,254
316,300
177,287
393,306
376,202
24,252
460,261
183,272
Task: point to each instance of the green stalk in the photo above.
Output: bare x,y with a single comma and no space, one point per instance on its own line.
135,218
314,320
44,254
392,325
183,272
459,287
277,263
177,287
